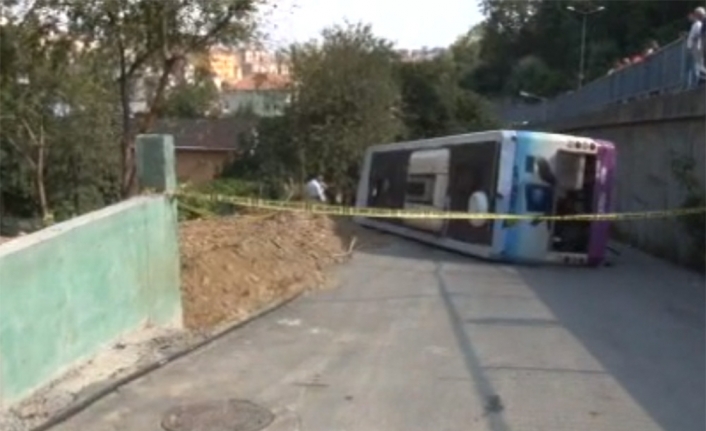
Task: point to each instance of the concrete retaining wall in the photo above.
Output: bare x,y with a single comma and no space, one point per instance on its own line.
649,134
69,290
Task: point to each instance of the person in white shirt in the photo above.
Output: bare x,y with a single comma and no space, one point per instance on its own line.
693,47
315,189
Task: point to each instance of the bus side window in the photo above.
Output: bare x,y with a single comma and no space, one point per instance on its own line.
379,191
375,188
415,189
420,189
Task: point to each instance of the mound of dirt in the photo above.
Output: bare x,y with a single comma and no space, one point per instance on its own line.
233,266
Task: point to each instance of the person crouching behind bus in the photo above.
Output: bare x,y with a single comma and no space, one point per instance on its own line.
314,190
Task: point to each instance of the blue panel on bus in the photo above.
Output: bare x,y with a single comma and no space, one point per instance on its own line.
512,230
538,198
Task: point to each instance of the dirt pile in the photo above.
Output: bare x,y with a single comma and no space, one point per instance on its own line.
234,266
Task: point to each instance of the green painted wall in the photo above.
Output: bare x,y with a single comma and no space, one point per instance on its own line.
69,290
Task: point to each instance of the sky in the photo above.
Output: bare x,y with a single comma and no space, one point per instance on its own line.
411,24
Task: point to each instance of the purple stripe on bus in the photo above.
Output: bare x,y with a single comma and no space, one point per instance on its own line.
602,199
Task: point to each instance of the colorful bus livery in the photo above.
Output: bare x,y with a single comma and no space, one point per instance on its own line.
503,172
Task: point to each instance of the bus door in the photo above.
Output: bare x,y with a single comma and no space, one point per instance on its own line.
387,181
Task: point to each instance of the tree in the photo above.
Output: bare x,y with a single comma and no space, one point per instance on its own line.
466,53
197,98
346,98
434,104
531,73
148,39
550,35
29,91
351,91
427,97
52,103
505,32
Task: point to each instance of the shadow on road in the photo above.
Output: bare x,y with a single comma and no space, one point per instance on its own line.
642,320
472,362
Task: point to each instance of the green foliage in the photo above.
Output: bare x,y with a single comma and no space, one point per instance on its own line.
57,163
229,186
161,30
146,39
683,169
196,208
58,123
352,91
428,90
532,72
536,44
270,157
347,98
435,105
16,190
191,99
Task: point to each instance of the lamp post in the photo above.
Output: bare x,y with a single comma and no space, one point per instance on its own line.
584,14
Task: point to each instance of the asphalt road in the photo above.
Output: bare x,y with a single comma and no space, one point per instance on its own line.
416,339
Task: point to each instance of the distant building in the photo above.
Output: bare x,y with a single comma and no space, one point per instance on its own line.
204,147
229,66
238,73
224,65
254,61
220,63
265,95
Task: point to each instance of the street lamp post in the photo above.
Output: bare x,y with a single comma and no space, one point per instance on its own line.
584,15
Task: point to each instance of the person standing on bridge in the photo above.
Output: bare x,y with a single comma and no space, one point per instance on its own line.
702,14
694,49
314,189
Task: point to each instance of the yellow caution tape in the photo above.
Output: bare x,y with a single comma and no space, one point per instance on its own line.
336,210
198,211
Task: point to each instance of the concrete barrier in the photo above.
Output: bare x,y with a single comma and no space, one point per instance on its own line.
71,289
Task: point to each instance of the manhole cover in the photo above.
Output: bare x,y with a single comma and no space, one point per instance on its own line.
229,415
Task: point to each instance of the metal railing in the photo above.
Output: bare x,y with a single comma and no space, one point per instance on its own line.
662,72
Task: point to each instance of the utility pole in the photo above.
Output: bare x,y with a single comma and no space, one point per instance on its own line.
584,15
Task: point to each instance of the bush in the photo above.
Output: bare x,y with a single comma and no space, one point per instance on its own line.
228,186
191,208
684,170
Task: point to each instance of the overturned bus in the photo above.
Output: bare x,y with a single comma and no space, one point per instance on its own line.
502,172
